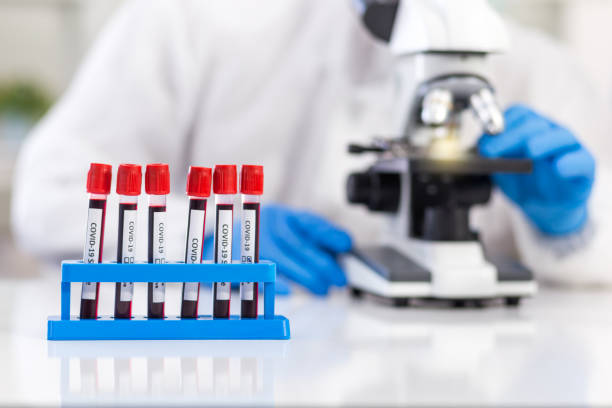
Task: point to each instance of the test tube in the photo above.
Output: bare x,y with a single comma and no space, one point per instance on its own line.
157,186
98,187
225,188
129,182
198,190
251,189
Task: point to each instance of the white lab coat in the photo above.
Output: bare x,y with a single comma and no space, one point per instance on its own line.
283,83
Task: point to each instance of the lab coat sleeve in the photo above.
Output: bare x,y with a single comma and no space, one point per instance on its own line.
132,101
540,73
579,259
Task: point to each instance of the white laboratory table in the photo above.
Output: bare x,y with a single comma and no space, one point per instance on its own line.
556,349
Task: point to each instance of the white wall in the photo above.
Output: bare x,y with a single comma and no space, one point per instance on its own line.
588,30
44,40
41,41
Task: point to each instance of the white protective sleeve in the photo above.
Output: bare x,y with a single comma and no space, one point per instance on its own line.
579,259
134,91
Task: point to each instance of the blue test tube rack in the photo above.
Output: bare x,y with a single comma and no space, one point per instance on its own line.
205,327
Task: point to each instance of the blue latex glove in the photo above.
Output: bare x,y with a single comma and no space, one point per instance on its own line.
280,288
554,197
303,245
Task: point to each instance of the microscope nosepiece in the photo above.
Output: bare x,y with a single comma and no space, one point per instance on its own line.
437,106
487,111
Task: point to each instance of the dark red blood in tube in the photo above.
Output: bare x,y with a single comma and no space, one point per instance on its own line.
189,308
251,187
155,310
221,307
89,307
225,186
248,308
157,185
123,310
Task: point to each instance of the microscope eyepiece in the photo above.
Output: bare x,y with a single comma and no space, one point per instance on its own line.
378,191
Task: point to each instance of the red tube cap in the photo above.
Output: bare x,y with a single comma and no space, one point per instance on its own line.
225,179
198,181
129,179
157,179
99,178
251,179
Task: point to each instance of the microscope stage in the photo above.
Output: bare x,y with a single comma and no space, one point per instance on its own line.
469,164
387,273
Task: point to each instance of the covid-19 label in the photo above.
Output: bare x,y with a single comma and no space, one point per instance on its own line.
248,245
159,237
223,246
94,236
159,292
247,290
128,251
249,225
193,252
88,291
223,236
92,251
159,252
191,291
128,246
127,291
223,291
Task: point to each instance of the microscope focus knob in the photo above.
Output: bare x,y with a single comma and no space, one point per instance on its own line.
378,191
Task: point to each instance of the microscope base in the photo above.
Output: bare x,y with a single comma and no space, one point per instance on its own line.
388,273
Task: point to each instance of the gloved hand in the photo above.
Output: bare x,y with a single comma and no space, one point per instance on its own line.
281,287
303,245
554,197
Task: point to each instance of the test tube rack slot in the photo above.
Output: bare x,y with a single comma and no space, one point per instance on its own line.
265,327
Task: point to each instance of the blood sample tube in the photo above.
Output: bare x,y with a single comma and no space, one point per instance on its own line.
198,190
98,187
225,188
129,182
157,186
251,189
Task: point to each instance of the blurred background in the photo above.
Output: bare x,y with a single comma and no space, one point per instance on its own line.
43,41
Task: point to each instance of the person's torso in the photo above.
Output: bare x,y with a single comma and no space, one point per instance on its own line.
289,88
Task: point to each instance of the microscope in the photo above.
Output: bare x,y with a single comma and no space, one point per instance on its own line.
427,177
